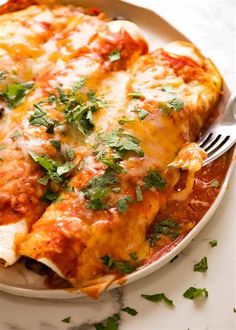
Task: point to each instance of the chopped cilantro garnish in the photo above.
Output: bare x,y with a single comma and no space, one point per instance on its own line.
108,261
122,143
79,84
15,93
133,255
154,179
129,310
3,74
215,183
123,266
2,146
15,135
98,189
80,112
135,95
54,171
51,99
158,297
66,320
139,194
110,324
56,144
124,120
123,203
167,227
70,154
213,243
114,56
49,195
173,104
113,163
142,114
201,266
193,293
39,118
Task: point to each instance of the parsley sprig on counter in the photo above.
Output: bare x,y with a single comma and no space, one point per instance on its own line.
193,293
158,297
111,323
201,266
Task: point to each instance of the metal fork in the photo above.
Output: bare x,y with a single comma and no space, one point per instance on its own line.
221,136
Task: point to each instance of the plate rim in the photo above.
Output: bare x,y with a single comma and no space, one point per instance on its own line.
155,265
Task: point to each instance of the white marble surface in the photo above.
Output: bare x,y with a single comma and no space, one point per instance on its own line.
211,25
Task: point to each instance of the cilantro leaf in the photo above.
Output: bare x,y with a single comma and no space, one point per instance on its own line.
215,183
193,293
3,74
142,114
122,204
80,113
54,171
110,324
154,179
201,266
15,135
133,255
172,104
56,144
124,120
139,194
129,310
158,297
15,93
126,267
98,189
122,142
50,195
108,261
39,118
123,266
135,95
65,168
70,154
114,56
213,243
66,320
112,162
166,227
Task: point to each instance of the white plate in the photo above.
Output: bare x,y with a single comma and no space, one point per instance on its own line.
18,281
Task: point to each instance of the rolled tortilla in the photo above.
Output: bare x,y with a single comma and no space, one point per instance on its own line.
70,45
177,90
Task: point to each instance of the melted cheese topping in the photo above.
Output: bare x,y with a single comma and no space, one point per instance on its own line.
177,90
